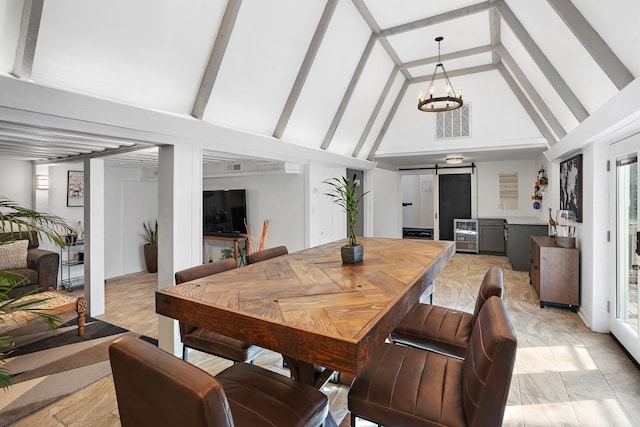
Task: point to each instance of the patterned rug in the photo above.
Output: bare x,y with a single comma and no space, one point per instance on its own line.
49,369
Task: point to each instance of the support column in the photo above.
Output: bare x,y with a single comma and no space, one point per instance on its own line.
94,241
179,225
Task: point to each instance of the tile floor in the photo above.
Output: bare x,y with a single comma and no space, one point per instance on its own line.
565,374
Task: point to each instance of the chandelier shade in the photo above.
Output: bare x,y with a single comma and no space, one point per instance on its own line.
446,102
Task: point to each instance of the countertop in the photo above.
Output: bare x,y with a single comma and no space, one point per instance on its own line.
519,220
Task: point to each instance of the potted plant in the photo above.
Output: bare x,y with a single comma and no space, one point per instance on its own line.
151,246
14,218
343,194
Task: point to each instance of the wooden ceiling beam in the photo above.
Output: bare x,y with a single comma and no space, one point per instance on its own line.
215,59
27,38
303,72
549,71
599,50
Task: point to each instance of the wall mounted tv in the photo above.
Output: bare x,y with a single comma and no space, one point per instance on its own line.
224,212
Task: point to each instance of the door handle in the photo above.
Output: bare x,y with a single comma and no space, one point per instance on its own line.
637,240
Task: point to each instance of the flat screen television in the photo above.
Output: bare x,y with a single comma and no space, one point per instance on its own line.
224,212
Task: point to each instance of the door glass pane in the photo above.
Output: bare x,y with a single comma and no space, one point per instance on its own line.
627,221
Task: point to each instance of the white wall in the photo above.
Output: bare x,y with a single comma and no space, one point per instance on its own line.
489,189
278,198
387,204
16,181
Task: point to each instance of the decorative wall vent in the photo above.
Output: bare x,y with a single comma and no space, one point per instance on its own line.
454,124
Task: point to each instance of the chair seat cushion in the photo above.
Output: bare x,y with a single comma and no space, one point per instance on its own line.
214,343
410,387
435,328
258,397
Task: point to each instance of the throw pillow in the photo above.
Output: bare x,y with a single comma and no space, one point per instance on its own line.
14,255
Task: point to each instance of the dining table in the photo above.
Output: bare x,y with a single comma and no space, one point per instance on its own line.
321,314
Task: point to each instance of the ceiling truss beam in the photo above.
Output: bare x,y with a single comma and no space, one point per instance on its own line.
531,91
349,92
593,43
301,78
376,111
215,59
447,56
528,107
437,19
388,120
549,71
27,38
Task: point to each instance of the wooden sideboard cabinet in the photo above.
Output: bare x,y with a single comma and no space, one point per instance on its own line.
554,272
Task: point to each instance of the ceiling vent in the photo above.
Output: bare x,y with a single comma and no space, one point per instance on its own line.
234,167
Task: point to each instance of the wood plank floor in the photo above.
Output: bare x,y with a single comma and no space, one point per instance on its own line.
565,374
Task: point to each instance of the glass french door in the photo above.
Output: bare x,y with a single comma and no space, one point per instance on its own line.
625,325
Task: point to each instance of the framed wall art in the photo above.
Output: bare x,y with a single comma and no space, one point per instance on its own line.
75,188
571,185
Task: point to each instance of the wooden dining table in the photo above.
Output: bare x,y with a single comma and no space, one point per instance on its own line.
320,314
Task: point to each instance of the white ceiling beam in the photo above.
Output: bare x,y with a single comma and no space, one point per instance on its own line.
388,120
593,43
303,72
349,92
376,110
531,91
215,59
375,28
549,71
437,19
447,56
27,38
528,107
461,72
494,34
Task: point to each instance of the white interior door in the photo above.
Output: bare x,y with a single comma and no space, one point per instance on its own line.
624,186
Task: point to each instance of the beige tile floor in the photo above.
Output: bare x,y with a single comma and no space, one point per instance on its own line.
565,375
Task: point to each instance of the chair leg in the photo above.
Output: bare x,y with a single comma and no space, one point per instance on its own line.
353,420
184,353
431,299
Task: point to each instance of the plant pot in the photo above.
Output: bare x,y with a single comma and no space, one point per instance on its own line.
352,254
151,258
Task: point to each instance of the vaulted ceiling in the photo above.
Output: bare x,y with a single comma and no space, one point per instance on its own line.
341,76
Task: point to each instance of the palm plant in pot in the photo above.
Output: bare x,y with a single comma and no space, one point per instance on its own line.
151,246
21,222
343,194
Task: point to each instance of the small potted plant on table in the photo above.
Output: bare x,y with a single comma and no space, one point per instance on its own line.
343,194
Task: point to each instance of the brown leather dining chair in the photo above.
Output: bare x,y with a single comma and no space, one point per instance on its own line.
445,330
407,386
154,388
265,254
206,340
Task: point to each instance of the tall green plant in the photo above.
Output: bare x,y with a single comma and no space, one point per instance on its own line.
150,232
22,222
343,194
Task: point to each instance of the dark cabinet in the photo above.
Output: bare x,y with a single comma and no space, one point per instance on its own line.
518,243
554,272
491,236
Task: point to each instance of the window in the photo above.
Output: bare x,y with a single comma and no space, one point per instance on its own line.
453,124
508,189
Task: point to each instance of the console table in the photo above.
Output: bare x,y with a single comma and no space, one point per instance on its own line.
234,239
555,272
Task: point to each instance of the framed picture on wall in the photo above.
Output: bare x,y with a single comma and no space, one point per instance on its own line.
75,188
571,185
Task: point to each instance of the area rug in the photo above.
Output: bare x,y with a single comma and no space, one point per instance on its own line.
52,368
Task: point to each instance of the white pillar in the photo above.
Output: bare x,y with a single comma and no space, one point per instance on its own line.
179,225
94,235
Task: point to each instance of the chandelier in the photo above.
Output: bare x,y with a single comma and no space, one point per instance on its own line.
440,103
